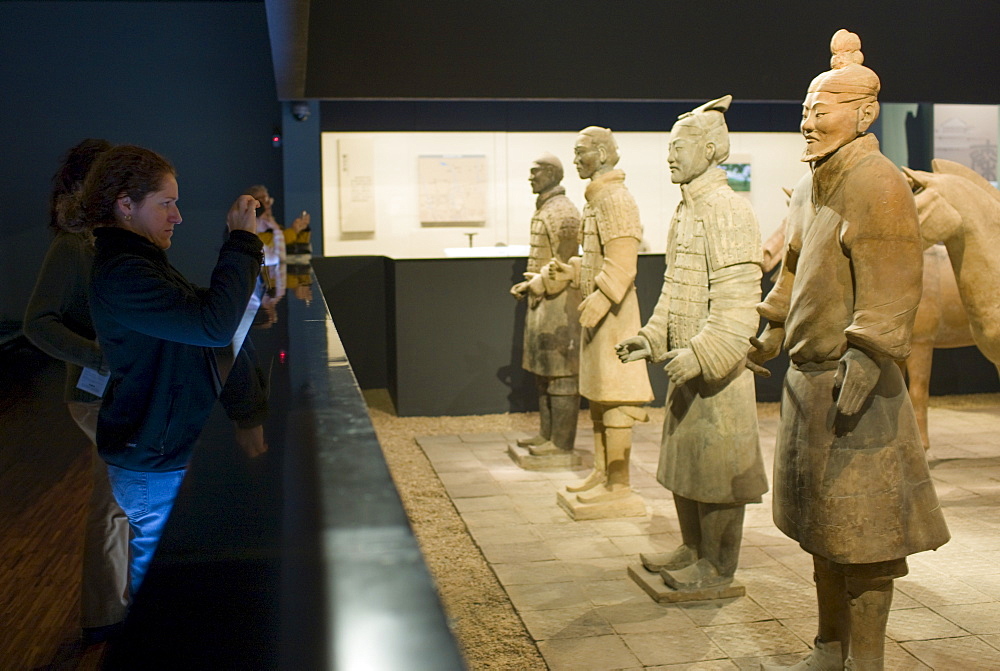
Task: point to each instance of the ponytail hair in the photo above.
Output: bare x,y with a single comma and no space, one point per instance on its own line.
69,177
123,170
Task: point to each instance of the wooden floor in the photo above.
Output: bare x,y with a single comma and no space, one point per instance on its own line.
44,488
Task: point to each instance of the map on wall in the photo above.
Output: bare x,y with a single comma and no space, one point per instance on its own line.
453,190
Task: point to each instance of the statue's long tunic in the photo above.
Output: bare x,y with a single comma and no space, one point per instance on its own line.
552,323
853,489
710,450
611,217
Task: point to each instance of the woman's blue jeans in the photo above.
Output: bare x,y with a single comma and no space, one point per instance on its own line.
146,499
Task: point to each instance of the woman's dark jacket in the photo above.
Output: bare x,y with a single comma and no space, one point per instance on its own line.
156,330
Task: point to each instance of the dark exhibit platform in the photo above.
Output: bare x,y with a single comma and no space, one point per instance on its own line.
445,335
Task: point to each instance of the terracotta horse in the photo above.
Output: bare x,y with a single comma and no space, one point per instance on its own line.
958,207
941,323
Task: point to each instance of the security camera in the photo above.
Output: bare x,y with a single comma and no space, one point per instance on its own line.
301,111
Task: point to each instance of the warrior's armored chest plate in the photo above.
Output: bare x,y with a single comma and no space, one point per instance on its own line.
542,248
688,268
593,253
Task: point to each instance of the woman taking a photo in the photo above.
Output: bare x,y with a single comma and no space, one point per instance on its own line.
157,331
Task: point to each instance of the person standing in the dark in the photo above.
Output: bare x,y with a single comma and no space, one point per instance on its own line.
57,321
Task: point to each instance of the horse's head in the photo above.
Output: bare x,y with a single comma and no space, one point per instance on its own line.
939,220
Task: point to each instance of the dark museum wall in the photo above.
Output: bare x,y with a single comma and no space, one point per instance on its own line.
924,50
545,115
192,80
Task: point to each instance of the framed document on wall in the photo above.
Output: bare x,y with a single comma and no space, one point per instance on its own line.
453,190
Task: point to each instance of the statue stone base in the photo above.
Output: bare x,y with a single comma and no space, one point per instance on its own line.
630,505
652,583
564,460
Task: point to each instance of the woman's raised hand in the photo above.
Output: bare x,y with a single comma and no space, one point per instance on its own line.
242,215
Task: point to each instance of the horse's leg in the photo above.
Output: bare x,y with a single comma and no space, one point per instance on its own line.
918,369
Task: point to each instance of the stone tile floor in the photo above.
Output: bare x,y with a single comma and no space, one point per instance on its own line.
568,581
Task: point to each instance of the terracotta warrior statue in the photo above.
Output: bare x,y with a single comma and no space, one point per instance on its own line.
551,327
609,312
710,453
851,482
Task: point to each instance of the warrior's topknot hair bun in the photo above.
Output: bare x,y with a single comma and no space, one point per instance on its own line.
847,75
846,49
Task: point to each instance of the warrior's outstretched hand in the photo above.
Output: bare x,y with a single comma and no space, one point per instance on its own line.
559,271
633,349
532,287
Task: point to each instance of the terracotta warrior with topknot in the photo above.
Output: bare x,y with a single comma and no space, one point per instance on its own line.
851,483
551,326
610,236
710,453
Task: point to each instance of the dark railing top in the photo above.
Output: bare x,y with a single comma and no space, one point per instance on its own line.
381,607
